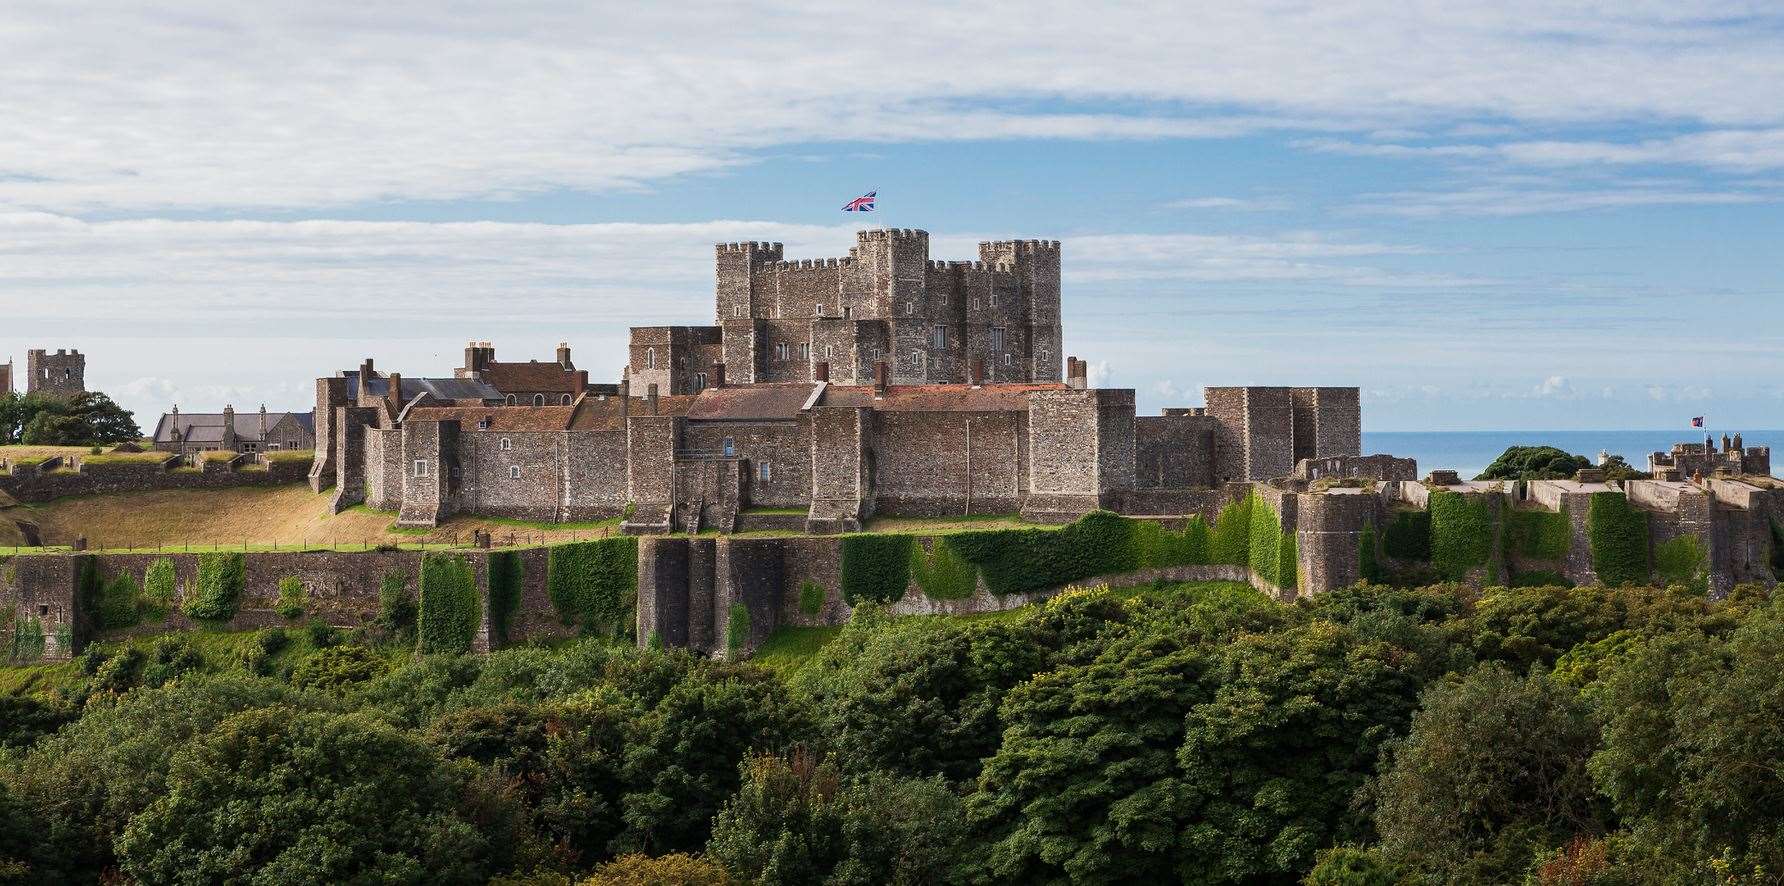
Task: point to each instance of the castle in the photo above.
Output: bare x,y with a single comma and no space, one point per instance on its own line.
830,391
62,375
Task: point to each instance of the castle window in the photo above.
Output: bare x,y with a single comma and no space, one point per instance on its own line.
805,350
994,299
699,382
975,304
781,351
1009,359
564,400
917,360
514,472
997,335
510,399
765,472
737,311
910,308
538,399
421,467
818,311
729,445
650,358
939,338
506,444
829,351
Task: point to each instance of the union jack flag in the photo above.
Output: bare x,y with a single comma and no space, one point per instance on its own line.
1697,421
863,203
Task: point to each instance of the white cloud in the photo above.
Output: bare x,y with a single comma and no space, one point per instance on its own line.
1555,386
1097,373
138,106
1510,201
1240,204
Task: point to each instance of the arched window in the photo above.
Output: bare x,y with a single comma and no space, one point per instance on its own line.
564,400
507,444
510,399
514,472
650,358
538,399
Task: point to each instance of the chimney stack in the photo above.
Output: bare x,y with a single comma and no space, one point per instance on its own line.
229,427
651,395
976,372
1077,373
625,399
581,382
365,371
718,375
263,423
879,379
820,371
563,354
396,391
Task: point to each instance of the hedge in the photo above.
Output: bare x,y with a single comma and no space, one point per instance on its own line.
737,627
594,585
1021,560
875,568
1461,534
120,603
942,573
506,575
1538,535
1619,536
449,614
1407,537
217,594
1158,547
1683,561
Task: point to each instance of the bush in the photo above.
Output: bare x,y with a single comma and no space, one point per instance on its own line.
1368,559
159,584
674,869
449,614
120,603
1159,546
218,592
506,575
1461,534
321,634
942,573
1022,560
811,597
396,606
1619,535
1683,561
1534,463
1230,541
594,585
292,598
337,668
1538,535
1407,537
875,568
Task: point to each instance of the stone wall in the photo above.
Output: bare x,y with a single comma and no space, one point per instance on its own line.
32,485
1173,451
945,463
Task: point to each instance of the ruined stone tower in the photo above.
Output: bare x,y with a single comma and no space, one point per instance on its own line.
62,374
5,378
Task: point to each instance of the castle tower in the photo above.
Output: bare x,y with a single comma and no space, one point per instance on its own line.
6,377
1036,263
62,374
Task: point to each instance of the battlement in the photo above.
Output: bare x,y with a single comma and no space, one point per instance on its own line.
1021,247
893,234
757,251
812,264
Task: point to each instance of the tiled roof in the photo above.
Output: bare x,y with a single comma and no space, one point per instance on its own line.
529,377
758,402
207,427
937,398
447,389
588,414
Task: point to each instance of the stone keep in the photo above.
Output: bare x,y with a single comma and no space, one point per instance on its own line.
62,374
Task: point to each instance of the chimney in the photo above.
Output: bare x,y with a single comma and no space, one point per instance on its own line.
820,371
879,379
1737,441
1077,373
263,422
976,372
473,357
625,399
396,391
581,382
651,396
229,427
563,354
718,375
173,425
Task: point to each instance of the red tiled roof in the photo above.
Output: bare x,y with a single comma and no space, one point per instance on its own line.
501,418
758,402
530,377
937,398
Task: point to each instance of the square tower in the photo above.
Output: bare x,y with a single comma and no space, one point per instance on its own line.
62,374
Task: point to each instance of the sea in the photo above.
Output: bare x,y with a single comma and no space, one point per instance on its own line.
1469,452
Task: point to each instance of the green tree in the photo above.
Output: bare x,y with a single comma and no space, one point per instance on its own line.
18,840
1493,772
373,805
1534,463
88,419
674,869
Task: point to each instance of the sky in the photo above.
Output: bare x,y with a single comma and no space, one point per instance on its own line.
1519,215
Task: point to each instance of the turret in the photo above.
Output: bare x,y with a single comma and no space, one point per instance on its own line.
735,265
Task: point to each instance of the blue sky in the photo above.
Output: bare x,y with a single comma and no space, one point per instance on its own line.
1523,216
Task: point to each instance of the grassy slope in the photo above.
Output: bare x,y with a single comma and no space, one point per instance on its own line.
258,515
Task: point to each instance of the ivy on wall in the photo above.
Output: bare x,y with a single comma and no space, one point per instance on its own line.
1461,534
88,591
1407,536
1270,550
1230,540
506,575
811,597
737,627
217,594
875,568
1020,560
1158,546
158,584
1368,560
1683,561
1619,535
942,573
449,613
594,585
27,640
1777,549
292,598
120,602
1538,535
